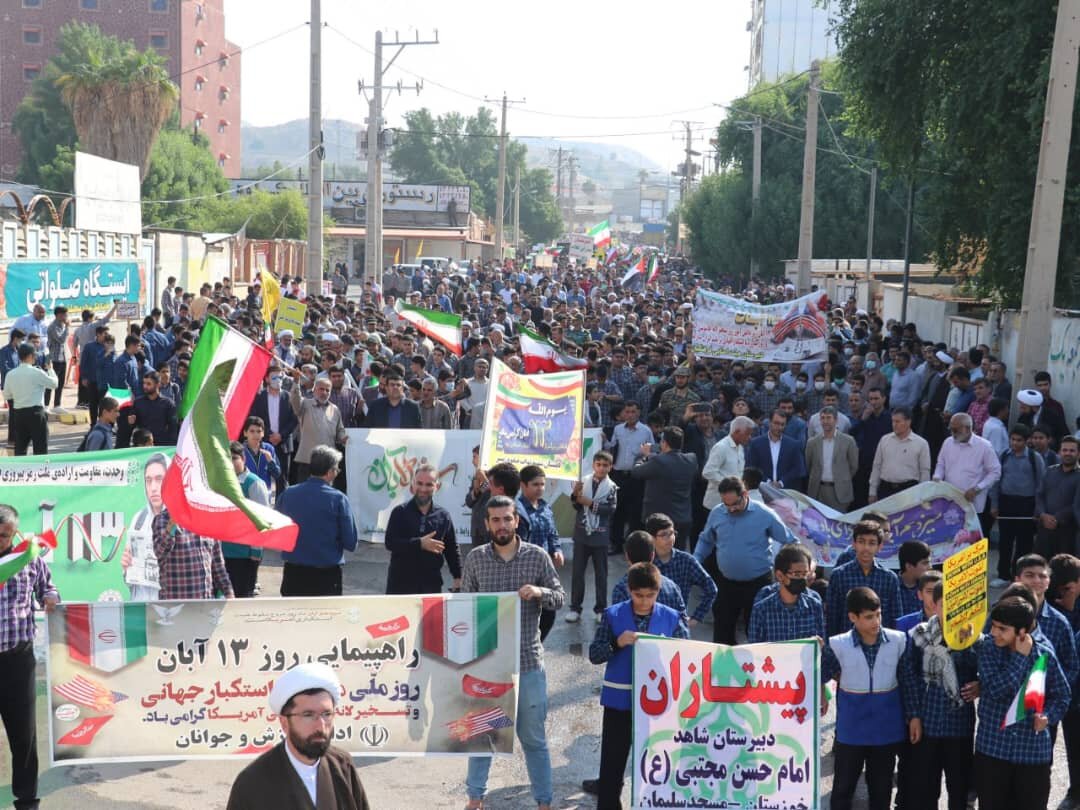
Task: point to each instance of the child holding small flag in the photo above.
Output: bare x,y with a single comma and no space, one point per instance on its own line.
1022,692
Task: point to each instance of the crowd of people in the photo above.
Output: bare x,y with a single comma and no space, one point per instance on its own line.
687,442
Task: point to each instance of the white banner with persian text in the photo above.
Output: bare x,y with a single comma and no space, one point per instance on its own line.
791,332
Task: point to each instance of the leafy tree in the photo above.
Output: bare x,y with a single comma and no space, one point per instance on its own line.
588,188
268,216
181,168
918,81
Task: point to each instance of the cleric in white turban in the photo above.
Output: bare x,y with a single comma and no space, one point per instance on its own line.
304,771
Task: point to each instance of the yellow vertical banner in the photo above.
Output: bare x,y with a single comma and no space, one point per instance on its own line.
271,294
964,600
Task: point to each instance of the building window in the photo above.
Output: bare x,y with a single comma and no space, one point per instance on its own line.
199,82
159,40
31,72
31,3
223,93
31,36
200,12
199,45
159,5
223,60
88,5
221,162
197,124
222,126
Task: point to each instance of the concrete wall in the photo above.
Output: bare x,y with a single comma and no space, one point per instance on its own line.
190,260
931,314
1063,362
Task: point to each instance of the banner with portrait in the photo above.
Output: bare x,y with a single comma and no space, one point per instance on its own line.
381,463
100,507
934,512
420,675
535,419
790,332
724,727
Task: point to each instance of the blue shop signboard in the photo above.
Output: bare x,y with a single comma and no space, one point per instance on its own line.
75,284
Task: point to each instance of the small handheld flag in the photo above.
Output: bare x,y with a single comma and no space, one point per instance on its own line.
1032,695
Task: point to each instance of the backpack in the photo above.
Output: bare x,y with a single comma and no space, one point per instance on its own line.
85,439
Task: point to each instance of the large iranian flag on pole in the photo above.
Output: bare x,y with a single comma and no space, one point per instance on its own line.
601,234
539,354
1032,695
106,636
442,327
460,629
201,490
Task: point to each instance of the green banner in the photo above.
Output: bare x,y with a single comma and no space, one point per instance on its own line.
100,507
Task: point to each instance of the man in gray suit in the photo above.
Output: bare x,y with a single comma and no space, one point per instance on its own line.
669,478
832,459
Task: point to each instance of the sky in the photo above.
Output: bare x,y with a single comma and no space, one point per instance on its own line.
614,73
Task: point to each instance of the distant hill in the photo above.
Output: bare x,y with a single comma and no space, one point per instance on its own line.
610,166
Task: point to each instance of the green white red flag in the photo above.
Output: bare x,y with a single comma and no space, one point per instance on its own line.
539,354
460,630
653,269
106,636
1032,695
24,553
601,234
122,395
219,343
442,327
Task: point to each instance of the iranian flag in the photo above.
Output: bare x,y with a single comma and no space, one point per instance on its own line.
460,628
601,234
122,395
106,636
218,344
1032,695
539,354
442,327
24,553
201,490
653,269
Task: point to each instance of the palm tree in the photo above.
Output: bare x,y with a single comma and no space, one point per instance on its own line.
119,105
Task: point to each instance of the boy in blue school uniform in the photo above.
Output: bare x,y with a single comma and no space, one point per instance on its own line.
1012,763
944,690
613,645
929,582
790,612
811,582
871,706
863,572
914,559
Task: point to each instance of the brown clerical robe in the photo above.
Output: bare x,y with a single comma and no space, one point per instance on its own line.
271,781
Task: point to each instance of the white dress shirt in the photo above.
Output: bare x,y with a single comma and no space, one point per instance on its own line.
827,446
725,459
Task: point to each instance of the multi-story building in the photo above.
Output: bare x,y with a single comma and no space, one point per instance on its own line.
787,35
190,34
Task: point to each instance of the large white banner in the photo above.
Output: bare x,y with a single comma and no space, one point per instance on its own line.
790,332
381,463
107,195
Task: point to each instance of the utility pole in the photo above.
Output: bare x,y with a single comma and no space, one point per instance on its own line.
806,219
572,160
313,269
686,179
500,191
907,245
373,242
1040,274
869,302
517,209
755,196
558,181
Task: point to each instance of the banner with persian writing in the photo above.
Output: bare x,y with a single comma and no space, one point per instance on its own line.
934,512
965,601
100,506
535,419
790,332
74,283
718,726
420,675
384,461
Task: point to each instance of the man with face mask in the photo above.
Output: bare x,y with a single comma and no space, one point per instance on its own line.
272,406
319,421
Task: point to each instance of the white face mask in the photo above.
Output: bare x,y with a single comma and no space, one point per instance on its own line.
769,385
849,352
275,381
800,384
819,385
871,364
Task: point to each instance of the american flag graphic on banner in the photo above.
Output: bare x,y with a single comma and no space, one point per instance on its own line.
89,693
479,722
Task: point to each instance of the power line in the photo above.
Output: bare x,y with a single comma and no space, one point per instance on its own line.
402,131
836,140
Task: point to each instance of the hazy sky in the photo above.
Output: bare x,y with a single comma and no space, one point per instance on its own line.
624,71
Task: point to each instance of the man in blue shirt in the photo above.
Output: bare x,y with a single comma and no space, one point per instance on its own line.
327,529
928,583
863,571
535,512
738,532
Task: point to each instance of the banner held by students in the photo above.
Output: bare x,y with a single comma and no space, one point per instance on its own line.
790,332
934,512
535,419
964,602
718,726
190,680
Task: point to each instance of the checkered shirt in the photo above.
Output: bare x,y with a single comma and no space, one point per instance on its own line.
909,599
686,572
1059,633
643,396
670,595
624,379
17,597
941,717
881,581
541,523
772,620
191,567
603,643
609,388
830,666
1002,672
487,572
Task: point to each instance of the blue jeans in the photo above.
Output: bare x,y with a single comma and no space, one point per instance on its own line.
531,731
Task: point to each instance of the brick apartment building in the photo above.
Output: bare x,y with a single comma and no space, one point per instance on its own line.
190,34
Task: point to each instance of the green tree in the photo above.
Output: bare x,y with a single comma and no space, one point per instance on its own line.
268,216
181,168
966,111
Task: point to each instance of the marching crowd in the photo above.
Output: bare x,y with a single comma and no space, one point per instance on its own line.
687,443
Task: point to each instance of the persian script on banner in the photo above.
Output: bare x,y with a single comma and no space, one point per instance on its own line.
387,460
97,504
791,332
934,512
725,727
535,419
190,680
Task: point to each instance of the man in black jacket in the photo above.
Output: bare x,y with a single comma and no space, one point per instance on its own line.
151,412
669,479
273,407
420,536
393,410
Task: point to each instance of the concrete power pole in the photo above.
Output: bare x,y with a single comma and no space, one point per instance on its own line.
572,160
755,195
558,181
500,191
1040,274
869,302
806,219
517,209
313,269
373,242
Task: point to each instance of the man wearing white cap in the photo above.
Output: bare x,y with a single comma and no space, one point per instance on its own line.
303,771
285,351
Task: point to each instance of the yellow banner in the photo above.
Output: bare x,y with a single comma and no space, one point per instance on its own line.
964,602
271,294
190,680
290,315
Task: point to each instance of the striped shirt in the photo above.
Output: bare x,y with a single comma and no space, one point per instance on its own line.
17,598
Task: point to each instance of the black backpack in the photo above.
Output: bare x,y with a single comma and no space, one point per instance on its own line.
82,445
